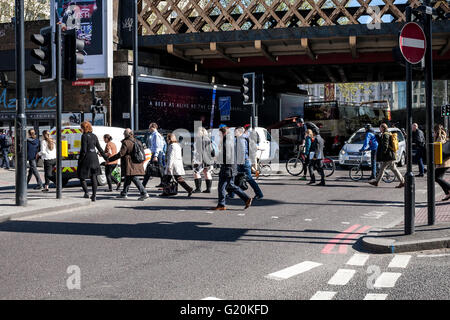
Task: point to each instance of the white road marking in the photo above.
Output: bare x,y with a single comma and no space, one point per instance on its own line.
374,214
387,280
433,255
211,298
323,295
345,222
209,212
274,217
308,219
293,271
342,277
375,296
358,259
399,261
241,214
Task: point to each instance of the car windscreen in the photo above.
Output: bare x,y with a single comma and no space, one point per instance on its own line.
357,138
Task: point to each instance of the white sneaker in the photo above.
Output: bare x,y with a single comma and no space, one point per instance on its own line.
142,198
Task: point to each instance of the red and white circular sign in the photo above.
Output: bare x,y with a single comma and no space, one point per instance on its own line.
412,42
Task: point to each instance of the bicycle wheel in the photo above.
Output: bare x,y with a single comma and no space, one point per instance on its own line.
328,167
294,166
266,170
355,173
388,177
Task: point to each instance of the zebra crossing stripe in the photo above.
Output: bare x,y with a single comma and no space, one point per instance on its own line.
375,296
358,259
342,277
323,295
293,271
399,261
387,280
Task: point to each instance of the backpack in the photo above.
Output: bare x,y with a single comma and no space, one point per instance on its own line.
393,142
138,153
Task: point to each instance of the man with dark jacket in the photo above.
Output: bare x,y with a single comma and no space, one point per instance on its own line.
418,140
228,169
387,157
33,146
130,169
317,156
4,148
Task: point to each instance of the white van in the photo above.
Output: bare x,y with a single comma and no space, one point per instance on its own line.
72,134
268,149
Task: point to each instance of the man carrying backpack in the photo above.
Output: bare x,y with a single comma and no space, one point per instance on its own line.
5,144
387,156
131,166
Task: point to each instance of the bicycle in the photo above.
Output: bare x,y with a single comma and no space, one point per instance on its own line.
356,172
295,166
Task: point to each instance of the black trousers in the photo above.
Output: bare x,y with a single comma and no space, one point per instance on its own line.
48,170
33,171
318,166
439,178
109,168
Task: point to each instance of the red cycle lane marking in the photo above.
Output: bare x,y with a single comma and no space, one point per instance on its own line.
332,243
343,248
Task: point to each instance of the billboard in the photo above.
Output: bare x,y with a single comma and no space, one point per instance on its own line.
177,104
92,20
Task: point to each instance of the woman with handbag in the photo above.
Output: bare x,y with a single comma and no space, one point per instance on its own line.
174,168
110,150
441,136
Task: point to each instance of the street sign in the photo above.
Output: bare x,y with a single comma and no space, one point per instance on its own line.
412,42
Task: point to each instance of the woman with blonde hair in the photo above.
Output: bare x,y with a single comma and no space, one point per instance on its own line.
309,137
203,160
48,154
174,165
441,136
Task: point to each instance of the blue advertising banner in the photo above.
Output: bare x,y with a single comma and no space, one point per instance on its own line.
225,108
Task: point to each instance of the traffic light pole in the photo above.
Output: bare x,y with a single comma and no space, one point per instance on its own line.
409,177
21,120
59,103
430,116
135,107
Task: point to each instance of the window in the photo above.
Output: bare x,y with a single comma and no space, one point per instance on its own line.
399,135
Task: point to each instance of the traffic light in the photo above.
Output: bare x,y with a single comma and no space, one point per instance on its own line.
43,54
445,110
248,88
259,89
72,55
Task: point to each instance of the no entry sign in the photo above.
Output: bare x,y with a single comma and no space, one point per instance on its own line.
412,42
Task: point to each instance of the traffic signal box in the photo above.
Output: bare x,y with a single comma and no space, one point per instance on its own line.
445,110
44,53
73,56
259,88
248,88
437,152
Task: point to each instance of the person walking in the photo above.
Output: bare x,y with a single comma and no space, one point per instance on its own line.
32,154
244,164
48,154
157,146
418,140
174,166
203,160
88,164
371,143
387,156
316,158
227,171
5,145
130,170
306,151
441,136
110,150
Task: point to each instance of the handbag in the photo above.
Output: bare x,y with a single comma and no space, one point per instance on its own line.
171,188
241,181
153,170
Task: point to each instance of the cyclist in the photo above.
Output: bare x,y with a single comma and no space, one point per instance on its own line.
371,143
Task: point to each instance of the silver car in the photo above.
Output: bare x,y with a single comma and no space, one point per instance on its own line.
349,154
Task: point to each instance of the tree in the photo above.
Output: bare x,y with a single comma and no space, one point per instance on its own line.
34,10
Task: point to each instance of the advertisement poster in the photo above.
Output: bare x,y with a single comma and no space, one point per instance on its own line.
174,106
92,20
225,108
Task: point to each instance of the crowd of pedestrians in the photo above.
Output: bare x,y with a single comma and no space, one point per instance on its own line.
235,151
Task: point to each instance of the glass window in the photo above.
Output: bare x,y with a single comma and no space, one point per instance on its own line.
357,137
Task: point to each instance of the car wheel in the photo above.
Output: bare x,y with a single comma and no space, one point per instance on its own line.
402,161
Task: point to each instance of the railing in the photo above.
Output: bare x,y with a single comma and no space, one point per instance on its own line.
194,16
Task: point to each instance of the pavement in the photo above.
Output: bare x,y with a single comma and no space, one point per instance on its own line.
37,201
